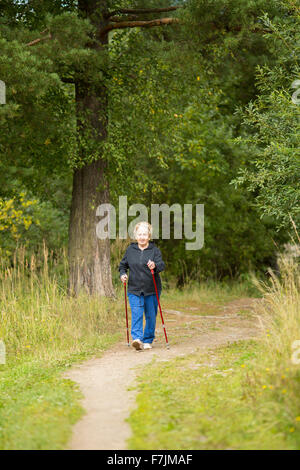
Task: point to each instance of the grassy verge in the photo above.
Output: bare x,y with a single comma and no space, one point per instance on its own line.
37,406
45,332
196,293
208,401
242,396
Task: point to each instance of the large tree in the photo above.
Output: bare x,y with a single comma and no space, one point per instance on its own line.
62,50
89,256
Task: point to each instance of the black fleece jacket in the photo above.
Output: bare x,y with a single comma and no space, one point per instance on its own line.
140,276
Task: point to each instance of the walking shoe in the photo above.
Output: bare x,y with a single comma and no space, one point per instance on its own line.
137,344
147,346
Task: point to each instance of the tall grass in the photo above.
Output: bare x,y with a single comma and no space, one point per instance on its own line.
37,317
280,319
276,378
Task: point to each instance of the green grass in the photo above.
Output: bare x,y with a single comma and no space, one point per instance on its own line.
182,405
209,401
37,406
242,396
46,331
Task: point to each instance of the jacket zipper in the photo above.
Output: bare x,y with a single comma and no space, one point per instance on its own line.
141,263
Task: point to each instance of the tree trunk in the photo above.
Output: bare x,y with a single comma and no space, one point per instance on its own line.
89,257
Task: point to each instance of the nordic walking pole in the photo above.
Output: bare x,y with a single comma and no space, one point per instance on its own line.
126,314
162,319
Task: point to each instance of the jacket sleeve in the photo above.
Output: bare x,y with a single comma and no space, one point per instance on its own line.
123,267
159,263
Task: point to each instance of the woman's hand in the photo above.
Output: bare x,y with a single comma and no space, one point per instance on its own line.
124,277
151,264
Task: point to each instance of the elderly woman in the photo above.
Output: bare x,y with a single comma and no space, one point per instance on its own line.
140,257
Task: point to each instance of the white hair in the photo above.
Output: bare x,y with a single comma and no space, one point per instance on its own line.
144,225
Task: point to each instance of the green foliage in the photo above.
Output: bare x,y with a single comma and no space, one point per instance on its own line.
33,219
173,126
270,138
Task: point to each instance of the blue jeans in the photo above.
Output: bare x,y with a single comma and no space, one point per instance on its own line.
138,305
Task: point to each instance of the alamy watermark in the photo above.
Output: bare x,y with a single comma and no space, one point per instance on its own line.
182,219
2,92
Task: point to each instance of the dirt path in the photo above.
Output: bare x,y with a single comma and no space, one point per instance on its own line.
104,381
